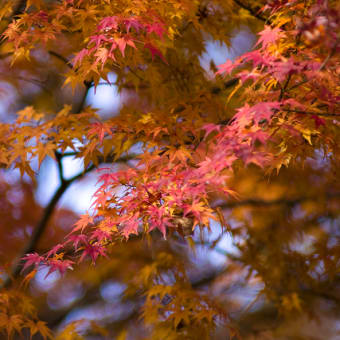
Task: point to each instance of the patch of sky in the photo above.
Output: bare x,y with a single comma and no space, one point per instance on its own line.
78,196
111,290
217,255
218,52
7,99
99,311
65,295
48,181
105,98
44,283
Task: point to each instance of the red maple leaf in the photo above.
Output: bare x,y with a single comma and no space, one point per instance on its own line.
227,67
80,56
134,23
54,250
76,239
156,27
154,51
32,259
58,265
269,36
82,223
108,23
93,251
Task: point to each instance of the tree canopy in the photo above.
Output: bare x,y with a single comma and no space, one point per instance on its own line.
216,211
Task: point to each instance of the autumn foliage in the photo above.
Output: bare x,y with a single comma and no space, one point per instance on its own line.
245,153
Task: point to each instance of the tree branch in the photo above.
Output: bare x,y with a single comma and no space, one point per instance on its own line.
61,58
280,201
88,85
252,11
41,226
43,223
326,114
59,158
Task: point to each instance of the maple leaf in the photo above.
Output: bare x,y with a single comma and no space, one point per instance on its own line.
209,128
97,40
227,67
58,265
194,151
269,36
76,239
318,121
102,55
121,43
256,57
54,250
83,222
265,110
11,323
77,60
133,23
130,226
41,328
32,259
99,129
44,150
157,27
130,42
93,251
101,235
108,23
154,51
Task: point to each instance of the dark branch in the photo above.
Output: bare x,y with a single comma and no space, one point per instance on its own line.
38,231
280,201
326,114
62,58
59,157
251,11
43,223
81,105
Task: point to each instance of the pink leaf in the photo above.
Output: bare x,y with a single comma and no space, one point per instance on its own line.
93,251
156,27
32,259
76,239
227,67
80,56
54,250
60,265
269,36
154,51
121,43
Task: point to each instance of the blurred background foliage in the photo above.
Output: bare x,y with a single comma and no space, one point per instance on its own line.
273,274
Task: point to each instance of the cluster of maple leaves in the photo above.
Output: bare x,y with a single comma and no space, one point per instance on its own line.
290,93
170,186
116,33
